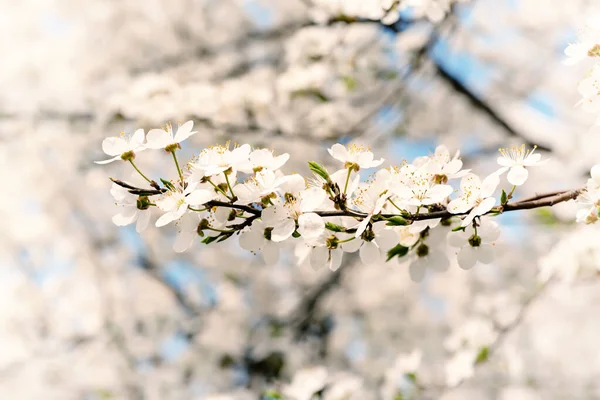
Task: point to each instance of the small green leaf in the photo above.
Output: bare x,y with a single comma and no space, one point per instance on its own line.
397,251
412,377
311,92
319,170
396,221
210,239
333,227
503,198
224,236
350,82
483,355
272,395
168,184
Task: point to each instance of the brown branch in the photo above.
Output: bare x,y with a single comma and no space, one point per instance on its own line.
538,201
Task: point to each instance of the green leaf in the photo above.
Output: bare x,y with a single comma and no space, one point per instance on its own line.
168,184
210,239
483,355
546,216
333,227
350,82
224,236
272,395
311,92
397,251
319,170
396,221
503,198
412,377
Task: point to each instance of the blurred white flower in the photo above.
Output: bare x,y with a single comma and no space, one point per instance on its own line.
588,42
255,239
306,383
460,367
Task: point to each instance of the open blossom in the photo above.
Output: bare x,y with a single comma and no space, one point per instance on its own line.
258,238
588,42
176,202
123,147
429,256
441,166
475,247
417,188
515,160
354,156
130,213
373,245
218,159
163,138
260,159
476,196
370,199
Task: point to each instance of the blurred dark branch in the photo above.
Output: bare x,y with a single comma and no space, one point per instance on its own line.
480,104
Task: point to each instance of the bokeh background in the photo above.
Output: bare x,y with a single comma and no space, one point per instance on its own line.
92,311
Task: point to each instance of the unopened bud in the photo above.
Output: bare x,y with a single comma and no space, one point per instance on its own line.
422,250
172,147
128,156
475,241
143,203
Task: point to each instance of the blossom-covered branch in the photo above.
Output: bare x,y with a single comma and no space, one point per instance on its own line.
239,191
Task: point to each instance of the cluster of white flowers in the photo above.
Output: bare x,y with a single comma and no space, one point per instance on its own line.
587,47
401,210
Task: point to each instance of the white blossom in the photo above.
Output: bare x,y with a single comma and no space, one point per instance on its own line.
130,213
354,156
162,138
176,202
123,147
516,160
473,248
477,196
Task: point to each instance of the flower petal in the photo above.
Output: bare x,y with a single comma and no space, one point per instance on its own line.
283,230
183,241
489,184
369,253
200,196
417,269
143,220
165,219
184,132
485,253
319,257
339,152
311,225
114,146
517,175
158,139
270,253
253,239
109,160
125,217
467,257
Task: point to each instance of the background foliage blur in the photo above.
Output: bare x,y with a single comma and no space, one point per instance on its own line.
92,311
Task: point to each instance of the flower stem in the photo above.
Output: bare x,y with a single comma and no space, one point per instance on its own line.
177,165
394,204
229,185
347,240
197,209
217,188
140,172
511,192
347,179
